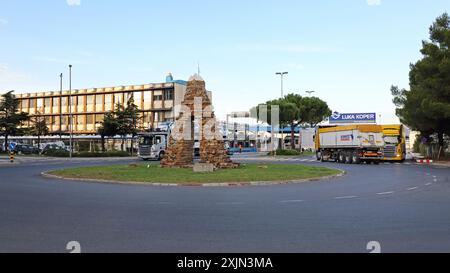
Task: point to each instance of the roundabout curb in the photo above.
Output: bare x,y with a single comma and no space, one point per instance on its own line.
193,184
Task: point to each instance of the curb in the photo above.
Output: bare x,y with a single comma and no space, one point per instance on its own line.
226,184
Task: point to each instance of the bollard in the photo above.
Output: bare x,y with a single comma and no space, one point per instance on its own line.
11,157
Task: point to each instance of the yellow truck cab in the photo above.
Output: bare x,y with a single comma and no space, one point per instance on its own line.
395,142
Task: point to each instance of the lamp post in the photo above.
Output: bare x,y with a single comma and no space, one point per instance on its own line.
281,74
70,111
60,106
310,92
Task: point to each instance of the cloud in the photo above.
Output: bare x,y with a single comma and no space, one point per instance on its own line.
373,2
284,48
73,2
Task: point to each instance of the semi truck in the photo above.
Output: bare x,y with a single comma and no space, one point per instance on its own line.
152,145
394,136
349,143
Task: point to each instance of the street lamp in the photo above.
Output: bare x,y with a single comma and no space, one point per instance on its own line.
281,129
70,111
310,92
281,75
60,106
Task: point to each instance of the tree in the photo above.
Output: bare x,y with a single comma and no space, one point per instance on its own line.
126,120
108,128
297,110
426,106
38,127
10,119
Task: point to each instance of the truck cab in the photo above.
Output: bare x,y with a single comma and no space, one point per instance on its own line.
152,145
395,142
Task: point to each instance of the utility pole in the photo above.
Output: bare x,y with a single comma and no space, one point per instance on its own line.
70,111
281,74
60,106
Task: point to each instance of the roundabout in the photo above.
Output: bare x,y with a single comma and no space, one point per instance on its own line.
404,207
152,174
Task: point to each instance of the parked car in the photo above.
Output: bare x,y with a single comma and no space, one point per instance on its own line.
26,149
53,147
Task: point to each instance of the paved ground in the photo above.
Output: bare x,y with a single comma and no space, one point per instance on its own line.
406,207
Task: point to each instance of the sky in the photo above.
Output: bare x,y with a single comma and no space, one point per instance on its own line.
348,51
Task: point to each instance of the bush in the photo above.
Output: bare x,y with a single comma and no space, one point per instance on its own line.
57,153
286,152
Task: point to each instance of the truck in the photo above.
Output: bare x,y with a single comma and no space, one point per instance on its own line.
349,143
152,145
394,136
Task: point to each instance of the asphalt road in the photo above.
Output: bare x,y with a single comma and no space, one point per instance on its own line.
406,208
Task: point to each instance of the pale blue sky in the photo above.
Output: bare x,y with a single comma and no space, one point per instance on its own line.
348,51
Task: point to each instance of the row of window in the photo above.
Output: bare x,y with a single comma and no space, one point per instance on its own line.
91,119
118,98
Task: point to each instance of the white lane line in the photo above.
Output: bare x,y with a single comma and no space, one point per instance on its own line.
386,192
434,176
435,180
346,197
230,203
291,201
427,184
411,189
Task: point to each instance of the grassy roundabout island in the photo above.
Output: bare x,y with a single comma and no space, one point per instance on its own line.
153,173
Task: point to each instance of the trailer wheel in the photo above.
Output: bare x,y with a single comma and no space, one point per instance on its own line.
349,158
322,158
376,162
355,158
341,157
318,155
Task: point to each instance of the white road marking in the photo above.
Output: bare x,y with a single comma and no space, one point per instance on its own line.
411,189
230,203
427,184
434,176
346,197
435,180
291,201
386,192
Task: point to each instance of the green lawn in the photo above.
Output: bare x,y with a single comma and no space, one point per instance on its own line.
154,173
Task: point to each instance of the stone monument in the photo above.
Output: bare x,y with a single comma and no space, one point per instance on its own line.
196,107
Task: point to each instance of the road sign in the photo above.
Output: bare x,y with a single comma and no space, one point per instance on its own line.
353,118
12,146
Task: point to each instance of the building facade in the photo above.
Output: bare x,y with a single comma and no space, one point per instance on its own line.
88,106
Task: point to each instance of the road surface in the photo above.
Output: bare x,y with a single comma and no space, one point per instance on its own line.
404,207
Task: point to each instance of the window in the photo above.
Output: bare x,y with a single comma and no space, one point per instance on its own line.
25,104
47,102
118,98
99,118
64,101
108,99
90,119
80,120
80,100
40,103
98,99
55,102
157,97
32,103
137,98
168,94
90,100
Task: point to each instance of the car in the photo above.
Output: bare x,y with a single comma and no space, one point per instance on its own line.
53,147
26,149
